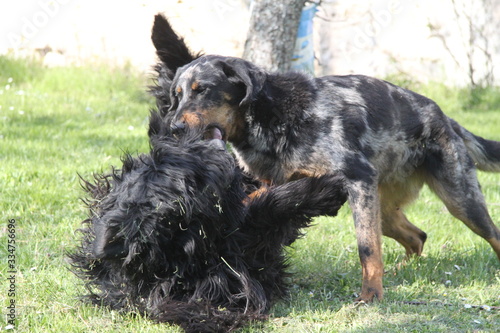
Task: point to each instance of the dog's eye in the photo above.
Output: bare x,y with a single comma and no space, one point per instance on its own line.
197,88
200,89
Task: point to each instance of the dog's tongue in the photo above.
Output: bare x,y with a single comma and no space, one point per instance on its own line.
216,133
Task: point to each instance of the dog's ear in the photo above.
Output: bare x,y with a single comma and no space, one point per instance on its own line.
106,245
170,48
241,71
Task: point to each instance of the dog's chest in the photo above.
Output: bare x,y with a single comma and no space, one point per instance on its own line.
291,165
267,168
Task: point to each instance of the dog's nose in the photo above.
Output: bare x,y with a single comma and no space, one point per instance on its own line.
178,127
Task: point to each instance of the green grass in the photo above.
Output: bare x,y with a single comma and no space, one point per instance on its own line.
61,122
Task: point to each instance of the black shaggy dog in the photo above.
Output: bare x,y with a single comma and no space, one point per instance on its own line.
173,234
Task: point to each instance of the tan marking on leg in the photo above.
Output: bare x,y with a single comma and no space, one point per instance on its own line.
393,198
395,225
372,268
373,271
255,194
495,244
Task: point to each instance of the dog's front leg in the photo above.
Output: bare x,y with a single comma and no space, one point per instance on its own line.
365,206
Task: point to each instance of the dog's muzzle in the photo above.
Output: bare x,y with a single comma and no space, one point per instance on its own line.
213,134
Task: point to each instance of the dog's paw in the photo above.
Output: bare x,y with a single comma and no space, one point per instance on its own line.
369,295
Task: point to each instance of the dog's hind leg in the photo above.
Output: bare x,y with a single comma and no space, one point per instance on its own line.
393,198
396,226
452,176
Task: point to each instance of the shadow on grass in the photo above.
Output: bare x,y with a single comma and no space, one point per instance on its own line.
442,282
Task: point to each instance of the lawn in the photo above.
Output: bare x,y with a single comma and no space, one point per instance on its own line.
59,123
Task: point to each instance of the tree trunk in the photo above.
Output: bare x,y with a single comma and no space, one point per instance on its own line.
272,33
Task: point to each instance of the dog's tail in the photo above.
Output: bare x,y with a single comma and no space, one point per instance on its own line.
485,153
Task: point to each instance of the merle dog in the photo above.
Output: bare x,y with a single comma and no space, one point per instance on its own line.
172,234
385,140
